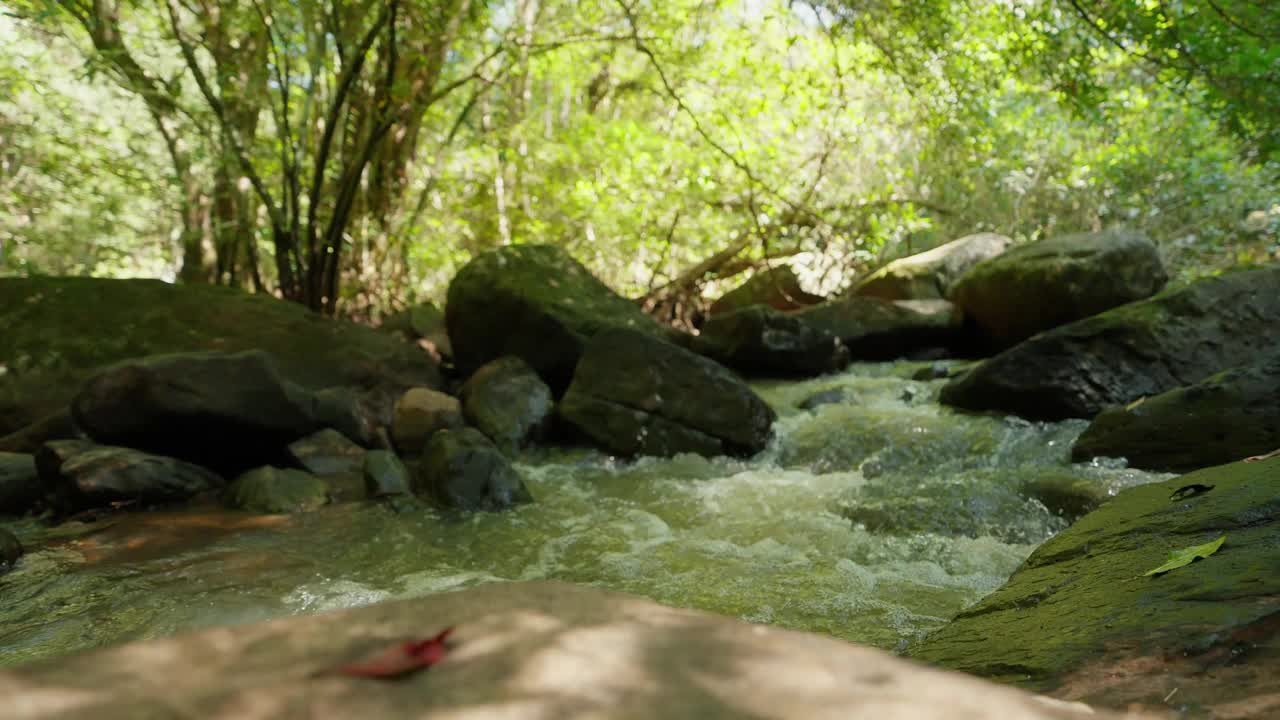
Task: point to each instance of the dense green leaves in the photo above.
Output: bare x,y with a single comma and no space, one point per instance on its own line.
354,161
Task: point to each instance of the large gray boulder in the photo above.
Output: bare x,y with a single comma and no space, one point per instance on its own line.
636,395
507,401
464,470
1225,417
875,329
929,275
1052,282
537,303
226,411
776,287
56,332
518,651
81,475
1083,619
759,340
1142,349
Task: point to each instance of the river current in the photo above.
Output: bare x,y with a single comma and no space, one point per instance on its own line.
874,517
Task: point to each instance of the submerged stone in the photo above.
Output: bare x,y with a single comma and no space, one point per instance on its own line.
463,470
277,490
385,474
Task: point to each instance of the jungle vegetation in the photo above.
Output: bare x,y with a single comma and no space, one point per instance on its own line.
351,155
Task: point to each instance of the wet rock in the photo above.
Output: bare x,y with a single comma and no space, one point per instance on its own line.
274,490
929,275
82,475
1065,494
776,287
567,651
507,401
463,470
634,394
537,303
1142,349
224,411
385,474
10,550
1225,417
875,329
1081,617
26,440
20,486
762,341
361,414
424,322
1052,282
327,452
82,325
419,414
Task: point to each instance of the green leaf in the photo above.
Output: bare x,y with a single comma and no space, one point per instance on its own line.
1186,556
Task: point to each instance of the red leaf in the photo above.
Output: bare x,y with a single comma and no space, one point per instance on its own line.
401,658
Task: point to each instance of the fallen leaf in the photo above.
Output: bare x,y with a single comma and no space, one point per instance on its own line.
1260,458
401,658
1186,556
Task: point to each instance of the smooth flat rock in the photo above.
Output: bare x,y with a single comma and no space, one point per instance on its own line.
540,650
1082,620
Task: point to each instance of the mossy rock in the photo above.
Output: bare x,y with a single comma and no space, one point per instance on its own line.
56,332
535,302
277,490
1225,417
1055,281
776,287
1082,604
1176,338
929,275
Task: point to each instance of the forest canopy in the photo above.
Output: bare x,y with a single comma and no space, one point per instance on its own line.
351,156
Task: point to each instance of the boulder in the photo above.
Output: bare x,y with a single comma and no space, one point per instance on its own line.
1225,417
423,322
1085,619
875,329
506,400
10,550
537,303
929,275
775,287
20,486
1041,285
1146,348
635,394
225,411
327,452
759,340
518,650
419,414
273,490
81,476
385,474
463,470
55,332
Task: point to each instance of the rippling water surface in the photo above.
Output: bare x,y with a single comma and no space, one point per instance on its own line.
873,518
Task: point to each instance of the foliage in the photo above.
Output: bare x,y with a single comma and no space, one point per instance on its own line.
354,161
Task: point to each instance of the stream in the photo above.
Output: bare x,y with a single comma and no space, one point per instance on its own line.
874,518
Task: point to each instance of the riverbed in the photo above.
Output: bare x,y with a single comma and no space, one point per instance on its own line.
874,516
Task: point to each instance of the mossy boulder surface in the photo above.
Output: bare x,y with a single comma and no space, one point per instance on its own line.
1225,417
56,332
535,302
1055,281
929,275
1082,608
760,340
1176,338
876,329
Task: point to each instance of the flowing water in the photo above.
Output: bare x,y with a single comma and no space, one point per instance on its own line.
874,518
